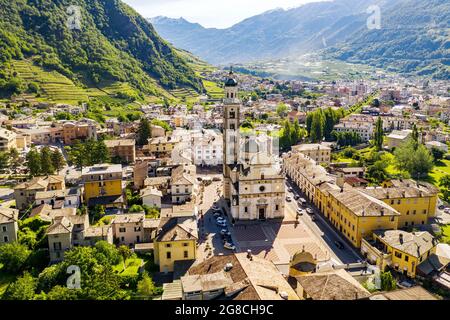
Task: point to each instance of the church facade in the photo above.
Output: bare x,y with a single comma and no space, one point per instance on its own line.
253,184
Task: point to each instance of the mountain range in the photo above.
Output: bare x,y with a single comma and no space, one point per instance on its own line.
112,43
413,37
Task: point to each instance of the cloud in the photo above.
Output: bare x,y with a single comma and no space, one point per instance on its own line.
210,13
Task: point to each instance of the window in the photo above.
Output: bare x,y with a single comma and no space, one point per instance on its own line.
277,207
168,255
185,254
406,258
246,209
4,228
262,188
5,239
137,229
138,239
185,244
168,245
398,254
57,245
122,230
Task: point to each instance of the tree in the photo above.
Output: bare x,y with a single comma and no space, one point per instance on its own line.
46,161
388,282
77,155
282,110
444,183
379,134
125,252
14,159
13,256
144,132
62,294
415,137
317,127
100,153
4,160
33,162
438,154
146,288
22,289
378,172
58,160
413,158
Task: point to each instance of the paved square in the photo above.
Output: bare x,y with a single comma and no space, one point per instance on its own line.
249,233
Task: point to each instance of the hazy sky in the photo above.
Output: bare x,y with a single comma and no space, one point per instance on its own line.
210,13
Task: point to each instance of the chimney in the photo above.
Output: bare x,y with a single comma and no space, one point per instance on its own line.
249,255
400,236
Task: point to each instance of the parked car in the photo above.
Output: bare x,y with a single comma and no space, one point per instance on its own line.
215,207
299,211
217,214
309,211
339,244
313,218
447,210
288,198
225,232
290,189
302,202
229,246
221,223
296,197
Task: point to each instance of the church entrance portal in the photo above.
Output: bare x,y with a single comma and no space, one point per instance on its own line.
262,214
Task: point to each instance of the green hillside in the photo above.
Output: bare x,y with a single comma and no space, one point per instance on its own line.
116,53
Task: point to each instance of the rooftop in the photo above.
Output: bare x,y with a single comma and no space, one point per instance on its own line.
413,243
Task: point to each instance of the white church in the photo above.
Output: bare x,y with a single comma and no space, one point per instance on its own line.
253,184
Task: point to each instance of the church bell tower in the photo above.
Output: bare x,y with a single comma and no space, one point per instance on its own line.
231,124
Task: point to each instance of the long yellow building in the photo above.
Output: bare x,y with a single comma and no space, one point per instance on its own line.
356,215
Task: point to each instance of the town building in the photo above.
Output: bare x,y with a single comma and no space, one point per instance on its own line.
123,149
239,276
400,250
182,184
8,225
332,285
398,137
103,185
7,140
320,153
25,193
176,240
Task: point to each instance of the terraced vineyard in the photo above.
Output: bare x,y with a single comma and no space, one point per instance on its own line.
54,86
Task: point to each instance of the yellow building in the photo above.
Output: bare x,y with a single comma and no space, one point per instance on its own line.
400,250
163,145
356,215
415,201
176,241
103,185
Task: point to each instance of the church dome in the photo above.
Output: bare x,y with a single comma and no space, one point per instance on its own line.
231,82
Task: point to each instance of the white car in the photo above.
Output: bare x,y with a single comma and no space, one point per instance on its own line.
229,246
225,232
447,210
300,211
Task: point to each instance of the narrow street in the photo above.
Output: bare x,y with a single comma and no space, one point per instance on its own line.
323,231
